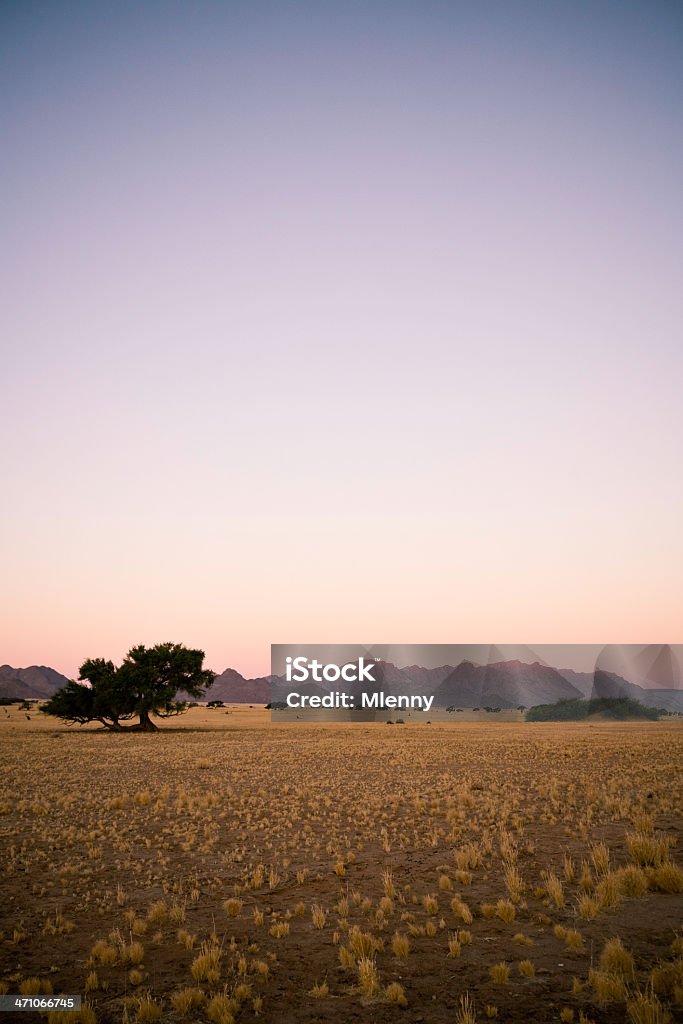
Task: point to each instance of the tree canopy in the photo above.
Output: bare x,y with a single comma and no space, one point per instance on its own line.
146,683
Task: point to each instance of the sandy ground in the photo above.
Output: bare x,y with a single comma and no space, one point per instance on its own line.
122,854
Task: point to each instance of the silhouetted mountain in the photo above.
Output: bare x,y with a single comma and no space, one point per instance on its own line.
669,700
233,688
599,684
502,684
657,666
425,680
505,684
603,684
37,681
653,666
583,681
607,684
613,685
389,679
432,656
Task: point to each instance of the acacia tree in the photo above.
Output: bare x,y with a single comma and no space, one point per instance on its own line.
146,683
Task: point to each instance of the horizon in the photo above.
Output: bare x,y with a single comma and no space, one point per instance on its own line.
634,663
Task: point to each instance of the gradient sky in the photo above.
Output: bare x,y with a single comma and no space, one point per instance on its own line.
339,322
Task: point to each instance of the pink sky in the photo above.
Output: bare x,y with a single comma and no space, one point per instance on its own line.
339,325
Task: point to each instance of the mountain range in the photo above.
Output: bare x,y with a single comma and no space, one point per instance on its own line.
503,684
35,682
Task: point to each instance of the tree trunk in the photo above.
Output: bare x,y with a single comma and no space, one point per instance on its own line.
146,723
111,724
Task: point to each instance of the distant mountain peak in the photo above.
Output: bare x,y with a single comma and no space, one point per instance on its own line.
32,683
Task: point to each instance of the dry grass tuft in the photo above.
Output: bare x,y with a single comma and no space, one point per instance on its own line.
134,953
616,960
431,904
220,1010
588,908
206,965
185,1000
500,973
645,1008
147,1010
648,849
368,977
608,988
667,877
554,889
461,910
318,916
574,940
465,1013
394,993
320,990
505,910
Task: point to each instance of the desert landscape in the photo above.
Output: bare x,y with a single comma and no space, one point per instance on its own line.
229,868
339,339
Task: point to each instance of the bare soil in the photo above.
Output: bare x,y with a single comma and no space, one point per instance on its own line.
137,838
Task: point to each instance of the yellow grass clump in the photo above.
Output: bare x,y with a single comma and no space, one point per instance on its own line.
400,945
394,993
461,910
466,1014
185,1000
608,988
500,973
220,1009
616,960
368,977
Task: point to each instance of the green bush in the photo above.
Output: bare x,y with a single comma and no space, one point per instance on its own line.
618,708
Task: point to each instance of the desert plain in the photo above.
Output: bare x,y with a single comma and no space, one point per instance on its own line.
231,869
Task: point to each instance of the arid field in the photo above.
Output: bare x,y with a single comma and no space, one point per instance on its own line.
228,869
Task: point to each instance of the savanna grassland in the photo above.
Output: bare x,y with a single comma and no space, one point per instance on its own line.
228,869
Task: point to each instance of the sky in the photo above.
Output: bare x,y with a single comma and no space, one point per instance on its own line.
339,323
